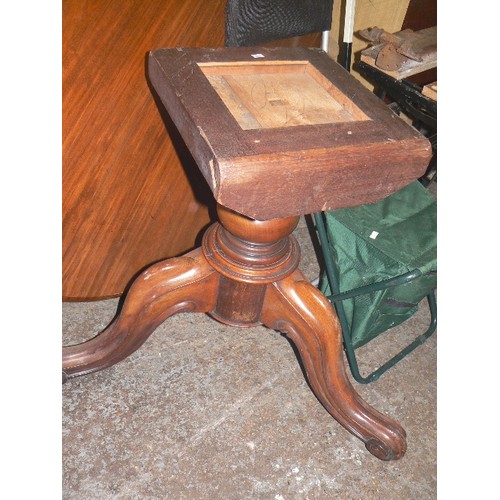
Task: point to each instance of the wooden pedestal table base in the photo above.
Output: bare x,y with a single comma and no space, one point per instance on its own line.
245,274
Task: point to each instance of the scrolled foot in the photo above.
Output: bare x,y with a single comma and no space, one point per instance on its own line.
299,310
175,285
380,449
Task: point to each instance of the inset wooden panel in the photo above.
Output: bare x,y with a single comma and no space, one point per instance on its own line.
279,94
362,154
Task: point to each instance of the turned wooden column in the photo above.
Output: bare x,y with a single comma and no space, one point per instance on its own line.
245,275
248,254
270,153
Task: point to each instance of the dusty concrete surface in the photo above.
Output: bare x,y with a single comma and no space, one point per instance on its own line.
207,411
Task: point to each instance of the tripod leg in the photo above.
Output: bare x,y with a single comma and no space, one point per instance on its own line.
296,308
183,284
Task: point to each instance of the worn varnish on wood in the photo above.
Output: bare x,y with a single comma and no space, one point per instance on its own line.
263,141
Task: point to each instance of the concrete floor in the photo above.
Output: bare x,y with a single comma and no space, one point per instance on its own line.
207,411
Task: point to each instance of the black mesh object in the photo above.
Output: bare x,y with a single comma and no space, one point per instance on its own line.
252,22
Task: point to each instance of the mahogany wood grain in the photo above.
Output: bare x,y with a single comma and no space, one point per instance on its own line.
245,274
179,284
132,194
299,310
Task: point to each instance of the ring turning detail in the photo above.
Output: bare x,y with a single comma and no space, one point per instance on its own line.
245,282
350,150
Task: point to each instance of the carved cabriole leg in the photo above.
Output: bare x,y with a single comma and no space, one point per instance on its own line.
245,274
184,284
294,307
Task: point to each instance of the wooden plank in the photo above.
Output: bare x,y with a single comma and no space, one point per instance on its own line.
388,14
409,67
431,91
128,199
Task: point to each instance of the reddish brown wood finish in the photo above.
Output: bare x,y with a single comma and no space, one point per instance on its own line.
132,194
127,199
246,271
176,285
296,308
245,274
277,172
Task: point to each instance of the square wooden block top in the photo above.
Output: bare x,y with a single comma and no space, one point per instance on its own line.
285,131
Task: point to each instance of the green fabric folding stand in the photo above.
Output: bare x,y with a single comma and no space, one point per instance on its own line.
380,263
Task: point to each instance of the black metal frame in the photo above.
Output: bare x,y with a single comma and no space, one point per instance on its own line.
407,97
